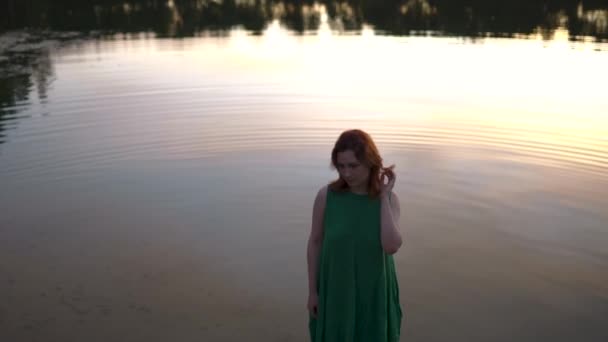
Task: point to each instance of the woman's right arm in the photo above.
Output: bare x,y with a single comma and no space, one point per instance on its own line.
315,240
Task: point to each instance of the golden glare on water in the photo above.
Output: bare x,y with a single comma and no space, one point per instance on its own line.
543,100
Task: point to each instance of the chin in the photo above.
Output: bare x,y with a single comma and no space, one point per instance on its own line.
352,184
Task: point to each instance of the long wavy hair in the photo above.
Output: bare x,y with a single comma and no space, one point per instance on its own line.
366,152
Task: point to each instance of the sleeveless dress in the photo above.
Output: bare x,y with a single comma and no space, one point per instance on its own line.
356,281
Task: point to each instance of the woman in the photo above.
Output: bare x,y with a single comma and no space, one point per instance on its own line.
353,290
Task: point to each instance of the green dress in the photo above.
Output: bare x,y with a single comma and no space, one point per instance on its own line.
356,281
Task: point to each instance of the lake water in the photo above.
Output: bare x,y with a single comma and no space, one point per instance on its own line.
157,189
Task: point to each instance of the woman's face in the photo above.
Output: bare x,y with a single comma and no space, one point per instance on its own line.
355,173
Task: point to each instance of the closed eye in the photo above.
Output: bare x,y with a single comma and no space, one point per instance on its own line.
349,165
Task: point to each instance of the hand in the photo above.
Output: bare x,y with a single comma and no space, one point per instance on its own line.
313,305
387,180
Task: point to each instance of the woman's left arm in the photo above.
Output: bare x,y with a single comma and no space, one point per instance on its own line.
390,210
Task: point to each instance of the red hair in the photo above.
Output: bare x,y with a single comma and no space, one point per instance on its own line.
366,152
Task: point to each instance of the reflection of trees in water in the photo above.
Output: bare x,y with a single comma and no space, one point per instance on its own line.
42,75
12,90
187,17
33,69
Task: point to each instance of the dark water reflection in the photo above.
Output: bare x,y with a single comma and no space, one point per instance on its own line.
161,189
26,75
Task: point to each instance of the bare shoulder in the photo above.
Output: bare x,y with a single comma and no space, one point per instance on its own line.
318,211
321,197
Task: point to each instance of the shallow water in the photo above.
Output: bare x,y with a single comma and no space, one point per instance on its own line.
161,189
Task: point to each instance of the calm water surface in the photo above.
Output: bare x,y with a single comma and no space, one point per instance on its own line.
161,189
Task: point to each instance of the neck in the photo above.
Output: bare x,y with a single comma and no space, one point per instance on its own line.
360,190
